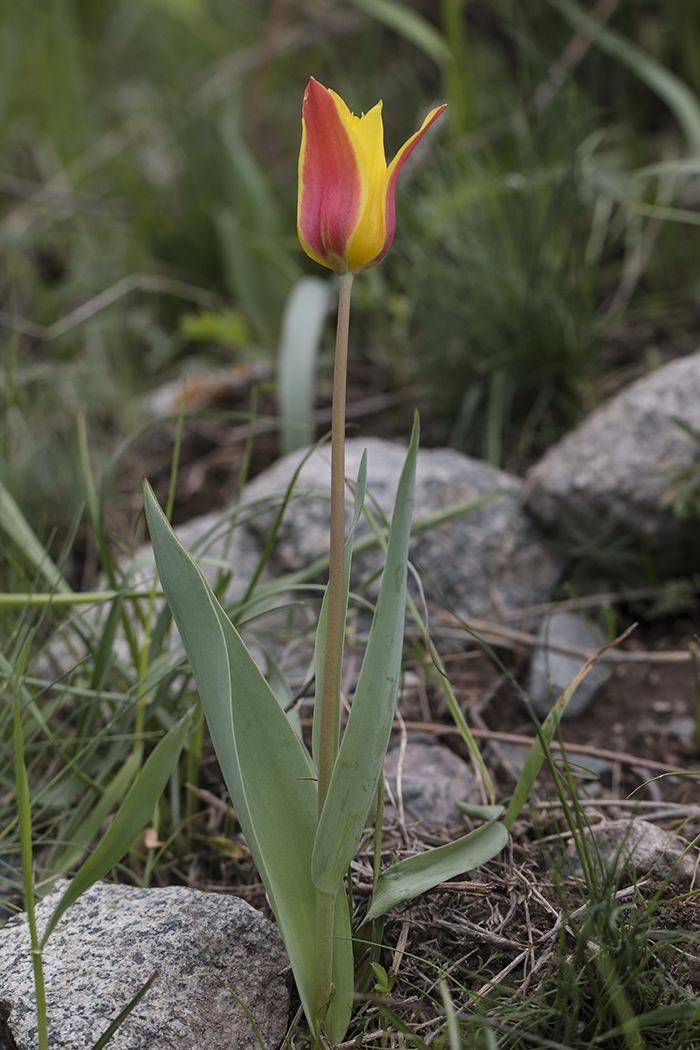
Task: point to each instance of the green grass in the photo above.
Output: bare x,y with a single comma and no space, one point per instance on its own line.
161,139
150,148
614,970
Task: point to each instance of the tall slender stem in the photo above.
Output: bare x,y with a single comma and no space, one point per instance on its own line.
335,627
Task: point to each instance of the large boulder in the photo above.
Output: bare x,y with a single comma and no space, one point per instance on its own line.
114,938
479,563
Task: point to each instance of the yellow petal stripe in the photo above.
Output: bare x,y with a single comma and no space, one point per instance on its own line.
346,213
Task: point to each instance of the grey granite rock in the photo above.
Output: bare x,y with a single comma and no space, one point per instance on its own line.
643,847
617,462
489,561
493,552
551,671
111,941
432,778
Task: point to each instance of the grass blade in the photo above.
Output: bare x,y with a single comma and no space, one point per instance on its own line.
17,528
678,96
545,735
123,1014
410,25
24,810
132,817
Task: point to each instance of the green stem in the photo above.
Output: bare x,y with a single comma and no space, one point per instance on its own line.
325,915
333,657
25,835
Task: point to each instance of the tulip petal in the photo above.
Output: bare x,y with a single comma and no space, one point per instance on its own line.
390,188
330,179
368,138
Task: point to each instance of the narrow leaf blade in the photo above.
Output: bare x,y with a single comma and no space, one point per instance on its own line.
302,327
415,875
132,816
356,773
264,764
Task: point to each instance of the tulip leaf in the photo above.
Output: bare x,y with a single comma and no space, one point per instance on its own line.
132,816
409,878
264,764
470,809
353,784
320,643
340,1009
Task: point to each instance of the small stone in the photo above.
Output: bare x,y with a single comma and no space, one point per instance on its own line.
432,778
640,845
551,671
110,942
683,728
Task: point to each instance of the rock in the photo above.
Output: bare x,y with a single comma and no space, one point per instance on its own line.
495,550
218,548
551,671
683,728
432,777
640,845
204,389
110,942
617,462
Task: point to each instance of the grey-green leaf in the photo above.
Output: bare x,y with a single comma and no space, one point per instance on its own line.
264,764
470,809
356,772
302,329
409,878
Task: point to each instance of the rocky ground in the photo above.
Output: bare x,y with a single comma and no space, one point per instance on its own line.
632,748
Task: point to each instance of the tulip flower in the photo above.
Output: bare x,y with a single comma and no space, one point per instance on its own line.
346,212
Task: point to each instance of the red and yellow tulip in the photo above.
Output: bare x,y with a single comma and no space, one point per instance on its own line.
346,213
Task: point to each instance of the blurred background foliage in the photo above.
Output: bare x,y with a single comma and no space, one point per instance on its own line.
547,246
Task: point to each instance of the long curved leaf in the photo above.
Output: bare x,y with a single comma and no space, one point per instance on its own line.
356,772
263,762
302,328
408,878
